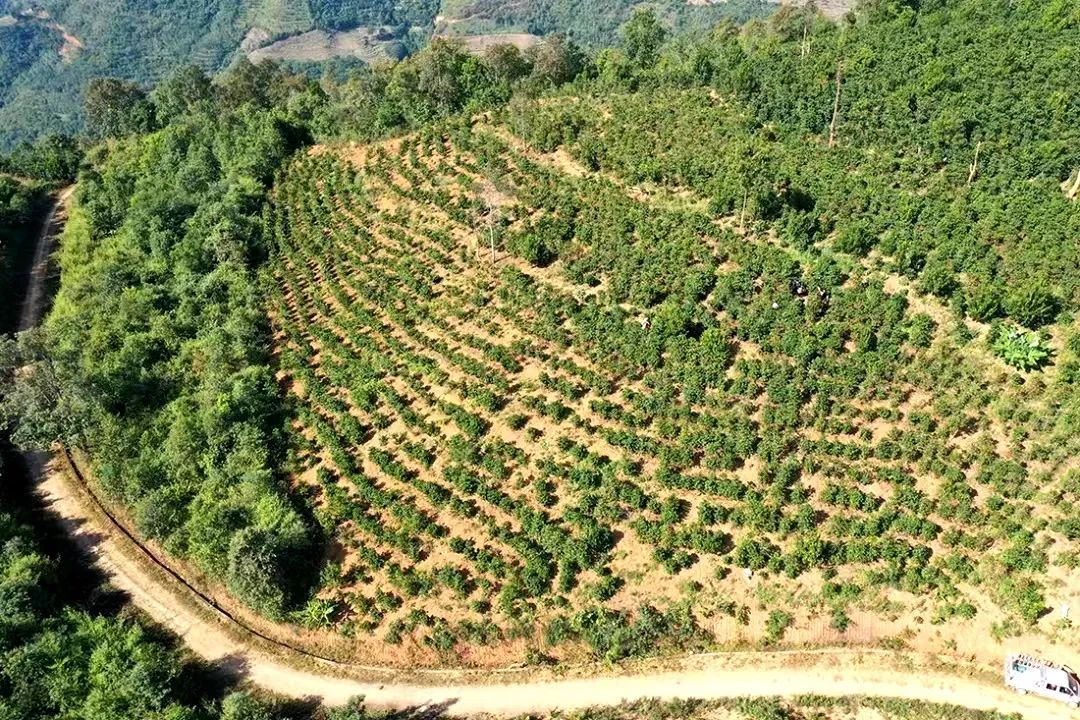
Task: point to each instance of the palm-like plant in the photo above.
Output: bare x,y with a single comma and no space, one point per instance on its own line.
1025,350
318,613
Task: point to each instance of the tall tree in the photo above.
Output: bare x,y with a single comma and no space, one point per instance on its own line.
642,38
116,108
181,91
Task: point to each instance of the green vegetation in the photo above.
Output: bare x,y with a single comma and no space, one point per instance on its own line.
55,158
66,653
593,24
594,353
800,708
157,353
64,662
400,336
159,342
20,47
51,50
967,232
44,76
717,406
1024,350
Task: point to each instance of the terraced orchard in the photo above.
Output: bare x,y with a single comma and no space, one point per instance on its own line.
542,412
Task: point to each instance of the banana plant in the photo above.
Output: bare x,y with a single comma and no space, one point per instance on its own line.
1024,350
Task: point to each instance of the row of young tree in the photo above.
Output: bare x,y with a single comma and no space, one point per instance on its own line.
154,358
367,297
956,116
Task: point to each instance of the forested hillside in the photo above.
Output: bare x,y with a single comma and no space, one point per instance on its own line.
766,336
41,88
64,656
68,646
50,49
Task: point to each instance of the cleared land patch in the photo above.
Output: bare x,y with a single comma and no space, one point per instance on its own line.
482,43
367,44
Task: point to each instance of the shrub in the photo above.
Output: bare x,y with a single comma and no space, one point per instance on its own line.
1032,306
983,302
754,553
254,571
855,239
921,330
242,706
937,278
614,635
1024,597
764,709
777,624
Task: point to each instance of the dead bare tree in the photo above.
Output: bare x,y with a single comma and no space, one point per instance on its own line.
492,218
973,171
1074,191
836,102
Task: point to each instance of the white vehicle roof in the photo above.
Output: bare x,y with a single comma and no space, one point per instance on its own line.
1032,669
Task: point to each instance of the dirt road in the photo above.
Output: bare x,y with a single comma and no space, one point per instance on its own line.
827,672
211,635
33,303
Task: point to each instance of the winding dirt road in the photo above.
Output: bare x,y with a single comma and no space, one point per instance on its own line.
211,635
33,303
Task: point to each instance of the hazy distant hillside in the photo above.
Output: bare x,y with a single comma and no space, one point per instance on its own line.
592,23
832,8
49,49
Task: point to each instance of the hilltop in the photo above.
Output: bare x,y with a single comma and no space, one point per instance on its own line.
536,390
762,338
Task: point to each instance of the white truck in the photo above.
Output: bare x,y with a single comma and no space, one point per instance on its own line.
1027,674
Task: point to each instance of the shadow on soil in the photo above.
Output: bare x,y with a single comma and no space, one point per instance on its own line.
83,585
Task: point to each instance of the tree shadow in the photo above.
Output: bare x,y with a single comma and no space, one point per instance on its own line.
80,582
311,708
427,711
201,681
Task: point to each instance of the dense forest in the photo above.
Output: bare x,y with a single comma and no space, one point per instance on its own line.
47,62
549,349
68,648
593,24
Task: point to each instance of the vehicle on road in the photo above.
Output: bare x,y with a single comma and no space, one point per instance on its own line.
1027,674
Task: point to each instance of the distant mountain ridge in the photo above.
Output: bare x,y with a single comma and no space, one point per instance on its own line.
50,49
